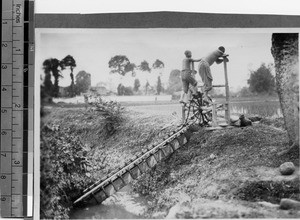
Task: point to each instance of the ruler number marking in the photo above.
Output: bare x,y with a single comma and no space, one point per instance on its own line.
17,105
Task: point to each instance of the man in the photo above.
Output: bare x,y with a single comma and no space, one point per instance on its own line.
187,77
217,56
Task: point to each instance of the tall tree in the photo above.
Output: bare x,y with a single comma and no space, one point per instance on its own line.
175,84
69,61
159,86
121,64
51,66
147,86
158,64
286,56
120,89
144,66
261,80
137,85
83,82
130,67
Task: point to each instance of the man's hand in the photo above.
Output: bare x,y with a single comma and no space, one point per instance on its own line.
226,59
218,61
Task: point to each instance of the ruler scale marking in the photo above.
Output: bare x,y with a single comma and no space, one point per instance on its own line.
17,86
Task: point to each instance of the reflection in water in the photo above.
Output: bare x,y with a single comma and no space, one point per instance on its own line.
264,109
122,205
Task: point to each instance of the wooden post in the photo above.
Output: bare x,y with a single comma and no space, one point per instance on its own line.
227,110
214,115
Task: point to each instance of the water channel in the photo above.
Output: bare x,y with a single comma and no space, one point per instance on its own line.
127,204
124,204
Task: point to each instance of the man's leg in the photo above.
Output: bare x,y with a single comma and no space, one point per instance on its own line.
205,74
185,87
208,87
193,88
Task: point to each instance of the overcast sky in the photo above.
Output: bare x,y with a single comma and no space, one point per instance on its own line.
93,48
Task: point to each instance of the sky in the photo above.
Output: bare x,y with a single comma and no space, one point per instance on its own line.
93,48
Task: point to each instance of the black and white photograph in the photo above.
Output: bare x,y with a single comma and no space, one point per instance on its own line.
149,110
168,123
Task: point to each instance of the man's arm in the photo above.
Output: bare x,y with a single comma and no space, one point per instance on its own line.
218,61
196,60
224,57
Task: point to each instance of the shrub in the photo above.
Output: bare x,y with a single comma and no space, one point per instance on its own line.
128,91
64,171
65,160
111,111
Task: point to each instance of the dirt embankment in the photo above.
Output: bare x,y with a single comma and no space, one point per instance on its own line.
225,174
135,132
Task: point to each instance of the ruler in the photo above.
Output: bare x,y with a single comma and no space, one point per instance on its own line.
17,93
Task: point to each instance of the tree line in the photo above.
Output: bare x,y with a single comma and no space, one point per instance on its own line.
53,68
260,82
121,64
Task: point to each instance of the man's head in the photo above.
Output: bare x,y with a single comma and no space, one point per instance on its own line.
221,48
188,53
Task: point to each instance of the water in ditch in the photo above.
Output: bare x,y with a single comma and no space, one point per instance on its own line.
124,204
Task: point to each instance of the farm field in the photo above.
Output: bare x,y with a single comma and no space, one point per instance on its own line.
163,105
261,108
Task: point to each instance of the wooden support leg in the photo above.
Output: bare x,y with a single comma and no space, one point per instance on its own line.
227,111
214,115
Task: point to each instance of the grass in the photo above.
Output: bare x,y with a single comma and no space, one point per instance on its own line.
239,154
135,133
235,164
263,106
